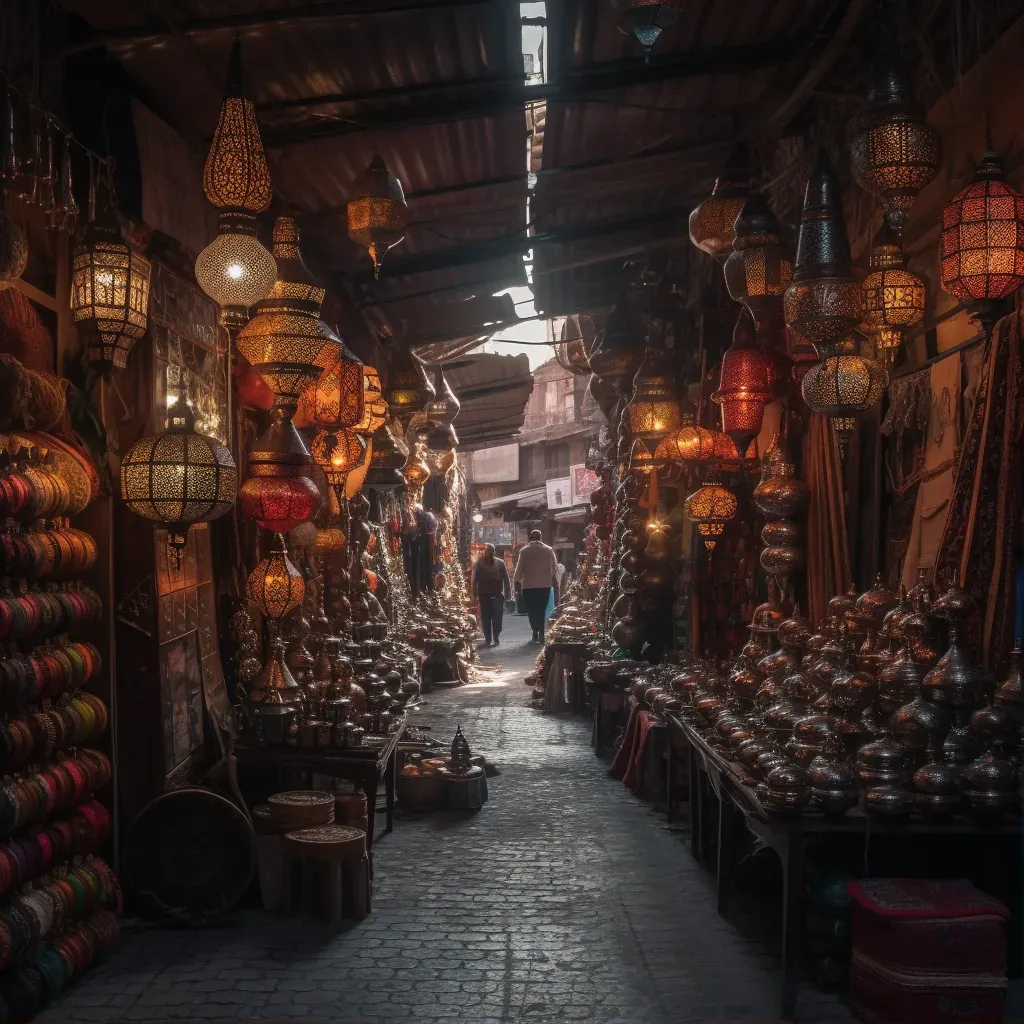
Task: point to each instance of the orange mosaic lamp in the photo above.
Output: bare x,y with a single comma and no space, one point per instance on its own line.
275,585
745,386
893,298
709,508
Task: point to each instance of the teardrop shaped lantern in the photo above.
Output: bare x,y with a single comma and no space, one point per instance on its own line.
745,386
109,293
377,211
179,478
822,305
983,241
710,508
713,223
387,460
235,269
275,585
758,270
653,411
895,152
439,433
647,19
841,388
408,389
892,297
286,336
338,453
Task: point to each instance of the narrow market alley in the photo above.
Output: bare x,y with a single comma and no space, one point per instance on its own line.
565,899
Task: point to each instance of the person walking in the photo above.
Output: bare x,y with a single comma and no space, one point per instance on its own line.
537,570
492,589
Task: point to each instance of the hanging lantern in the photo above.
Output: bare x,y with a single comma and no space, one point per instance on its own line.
278,502
338,453
13,249
336,400
109,293
615,360
892,297
745,386
417,469
275,585
409,388
693,445
235,270
653,411
577,337
646,19
983,241
286,336
758,270
179,478
822,305
387,460
713,223
440,435
895,152
377,211
840,388
375,409
710,508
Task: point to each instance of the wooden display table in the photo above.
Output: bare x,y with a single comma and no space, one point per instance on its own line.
720,784
367,766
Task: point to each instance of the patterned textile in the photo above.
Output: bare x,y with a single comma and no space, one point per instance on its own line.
828,556
982,526
922,897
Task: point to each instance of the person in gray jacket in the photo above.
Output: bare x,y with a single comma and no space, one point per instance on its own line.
537,572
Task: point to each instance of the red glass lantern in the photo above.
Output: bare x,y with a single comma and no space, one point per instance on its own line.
746,385
278,503
983,239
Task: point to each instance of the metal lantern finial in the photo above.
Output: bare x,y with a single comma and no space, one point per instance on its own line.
822,305
895,152
235,269
109,293
377,211
180,477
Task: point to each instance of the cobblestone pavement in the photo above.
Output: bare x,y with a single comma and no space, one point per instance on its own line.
564,899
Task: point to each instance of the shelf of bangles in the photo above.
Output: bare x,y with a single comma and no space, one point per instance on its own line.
58,899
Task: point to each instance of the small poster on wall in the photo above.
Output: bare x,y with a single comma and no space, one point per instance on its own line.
560,493
583,482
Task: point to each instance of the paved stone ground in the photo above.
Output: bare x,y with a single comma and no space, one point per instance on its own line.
563,899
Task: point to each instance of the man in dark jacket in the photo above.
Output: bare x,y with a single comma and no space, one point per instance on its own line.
492,589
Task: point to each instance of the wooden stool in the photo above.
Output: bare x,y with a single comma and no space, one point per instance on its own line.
342,853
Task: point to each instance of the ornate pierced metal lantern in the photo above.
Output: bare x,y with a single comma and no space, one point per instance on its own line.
286,337
375,409
409,389
338,453
983,240
710,508
822,305
275,585
278,501
235,269
758,270
653,411
180,477
892,297
336,400
745,386
647,19
713,223
841,387
377,211
895,152
109,293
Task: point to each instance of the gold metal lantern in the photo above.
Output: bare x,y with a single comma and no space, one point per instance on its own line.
275,585
653,411
336,399
109,293
408,389
179,478
375,409
377,211
892,297
235,269
286,337
710,508
338,453
841,388
713,223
